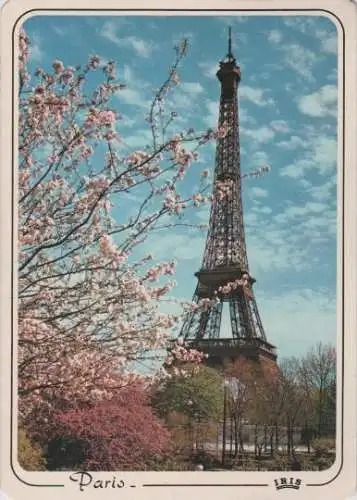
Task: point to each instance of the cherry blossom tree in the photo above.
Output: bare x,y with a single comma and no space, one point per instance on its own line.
86,306
89,301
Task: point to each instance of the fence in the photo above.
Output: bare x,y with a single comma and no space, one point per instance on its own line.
249,438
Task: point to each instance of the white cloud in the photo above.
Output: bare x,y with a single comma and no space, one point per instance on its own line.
323,102
332,76
35,50
259,135
280,126
209,69
127,121
211,118
325,154
134,93
270,248
143,48
329,44
275,36
245,117
310,314
300,59
109,31
320,154
192,88
259,158
262,209
294,237
230,20
322,192
294,170
132,96
60,31
303,24
255,95
298,211
291,144
177,246
141,138
328,41
258,192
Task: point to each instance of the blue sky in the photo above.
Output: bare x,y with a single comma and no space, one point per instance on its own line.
288,109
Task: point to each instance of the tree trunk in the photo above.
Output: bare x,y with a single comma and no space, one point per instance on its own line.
236,436
265,439
288,443
241,442
231,437
256,440
292,438
277,437
271,441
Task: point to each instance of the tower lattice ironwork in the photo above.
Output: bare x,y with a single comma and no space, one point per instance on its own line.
225,256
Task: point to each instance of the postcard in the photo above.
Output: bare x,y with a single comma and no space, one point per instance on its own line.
178,249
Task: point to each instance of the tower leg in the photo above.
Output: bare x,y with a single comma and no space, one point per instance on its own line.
215,319
241,317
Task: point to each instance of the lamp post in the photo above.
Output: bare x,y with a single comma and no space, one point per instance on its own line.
225,393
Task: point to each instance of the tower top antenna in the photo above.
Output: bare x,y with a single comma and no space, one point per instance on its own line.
230,55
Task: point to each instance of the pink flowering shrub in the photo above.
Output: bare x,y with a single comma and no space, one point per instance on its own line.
120,434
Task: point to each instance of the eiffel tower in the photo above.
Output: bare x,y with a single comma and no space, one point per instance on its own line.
225,256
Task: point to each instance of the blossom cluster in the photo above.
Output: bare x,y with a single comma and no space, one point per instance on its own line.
233,285
100,118
222,131
161,269
173,202
223,189
110,250
179,357
23,49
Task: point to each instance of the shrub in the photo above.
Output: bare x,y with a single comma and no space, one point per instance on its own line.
30,455
120,434
323,446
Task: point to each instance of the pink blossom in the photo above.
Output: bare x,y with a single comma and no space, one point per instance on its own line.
138,157
175,78
94,62
57,66
100,118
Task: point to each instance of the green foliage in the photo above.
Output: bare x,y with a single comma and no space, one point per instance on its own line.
198,395
29,454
